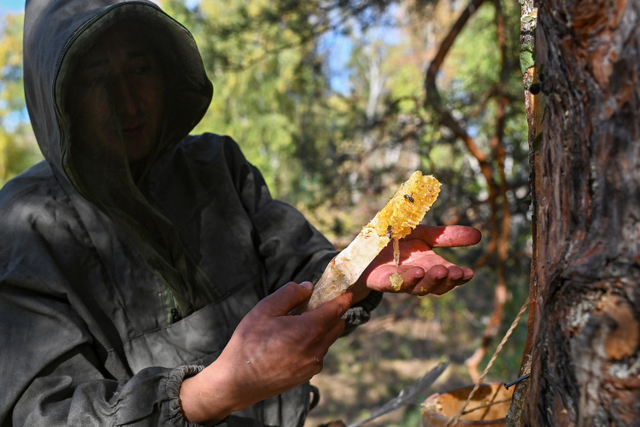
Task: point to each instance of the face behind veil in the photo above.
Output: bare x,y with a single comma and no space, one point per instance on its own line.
124,113
115,100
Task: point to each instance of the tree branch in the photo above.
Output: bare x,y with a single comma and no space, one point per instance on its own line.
433,96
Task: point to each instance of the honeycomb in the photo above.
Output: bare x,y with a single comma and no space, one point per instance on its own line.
396,220
405,210
407,207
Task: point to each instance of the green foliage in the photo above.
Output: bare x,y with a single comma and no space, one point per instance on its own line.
17,144
526,58
475,59
262,72
271,93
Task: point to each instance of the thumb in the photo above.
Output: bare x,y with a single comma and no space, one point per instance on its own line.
288,297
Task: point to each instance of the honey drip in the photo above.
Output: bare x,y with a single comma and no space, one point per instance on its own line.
396,251
403,212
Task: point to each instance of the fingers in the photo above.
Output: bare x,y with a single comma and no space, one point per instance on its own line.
322,327
467,274
446,236
286,298
440,279
320,347
332,335
330,313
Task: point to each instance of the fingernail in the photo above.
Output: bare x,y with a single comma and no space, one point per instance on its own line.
307,285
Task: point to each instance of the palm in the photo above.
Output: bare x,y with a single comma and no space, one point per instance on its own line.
422,270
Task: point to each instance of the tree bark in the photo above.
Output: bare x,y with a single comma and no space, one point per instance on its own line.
584,332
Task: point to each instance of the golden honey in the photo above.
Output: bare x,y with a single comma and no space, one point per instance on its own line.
403,212
396,281
395,221
407,207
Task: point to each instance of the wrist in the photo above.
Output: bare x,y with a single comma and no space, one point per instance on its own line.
205,398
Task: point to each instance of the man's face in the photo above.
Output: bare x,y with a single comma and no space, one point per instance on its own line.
117,95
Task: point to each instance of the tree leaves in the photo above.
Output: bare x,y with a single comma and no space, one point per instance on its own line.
526,57
18,148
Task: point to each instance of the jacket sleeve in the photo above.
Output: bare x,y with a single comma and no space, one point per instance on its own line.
291,248
53,376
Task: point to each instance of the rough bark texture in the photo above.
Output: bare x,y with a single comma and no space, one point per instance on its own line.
584,332
533,103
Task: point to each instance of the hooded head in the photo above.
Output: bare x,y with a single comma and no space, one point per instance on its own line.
111,86
70,44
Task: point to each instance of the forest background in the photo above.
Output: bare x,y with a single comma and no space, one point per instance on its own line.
337,102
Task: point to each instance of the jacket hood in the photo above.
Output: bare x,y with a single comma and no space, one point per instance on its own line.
56,31
59,36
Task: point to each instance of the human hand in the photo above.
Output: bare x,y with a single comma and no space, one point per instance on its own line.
422,270
269,353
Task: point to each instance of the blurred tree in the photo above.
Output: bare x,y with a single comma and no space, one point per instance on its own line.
18,149
271,93
468,130
490,89
470,133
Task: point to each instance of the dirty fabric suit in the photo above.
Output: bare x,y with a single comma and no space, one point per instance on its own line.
117,283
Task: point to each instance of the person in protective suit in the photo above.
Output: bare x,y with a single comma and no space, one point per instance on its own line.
146,275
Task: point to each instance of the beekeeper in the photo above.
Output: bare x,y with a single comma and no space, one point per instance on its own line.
147,276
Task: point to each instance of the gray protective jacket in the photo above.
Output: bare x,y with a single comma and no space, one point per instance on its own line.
112,291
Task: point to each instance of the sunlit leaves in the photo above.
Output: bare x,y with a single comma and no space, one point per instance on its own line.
17,144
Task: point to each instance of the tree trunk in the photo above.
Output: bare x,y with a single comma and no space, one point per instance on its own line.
582,348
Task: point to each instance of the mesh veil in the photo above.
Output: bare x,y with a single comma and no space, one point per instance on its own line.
98,166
